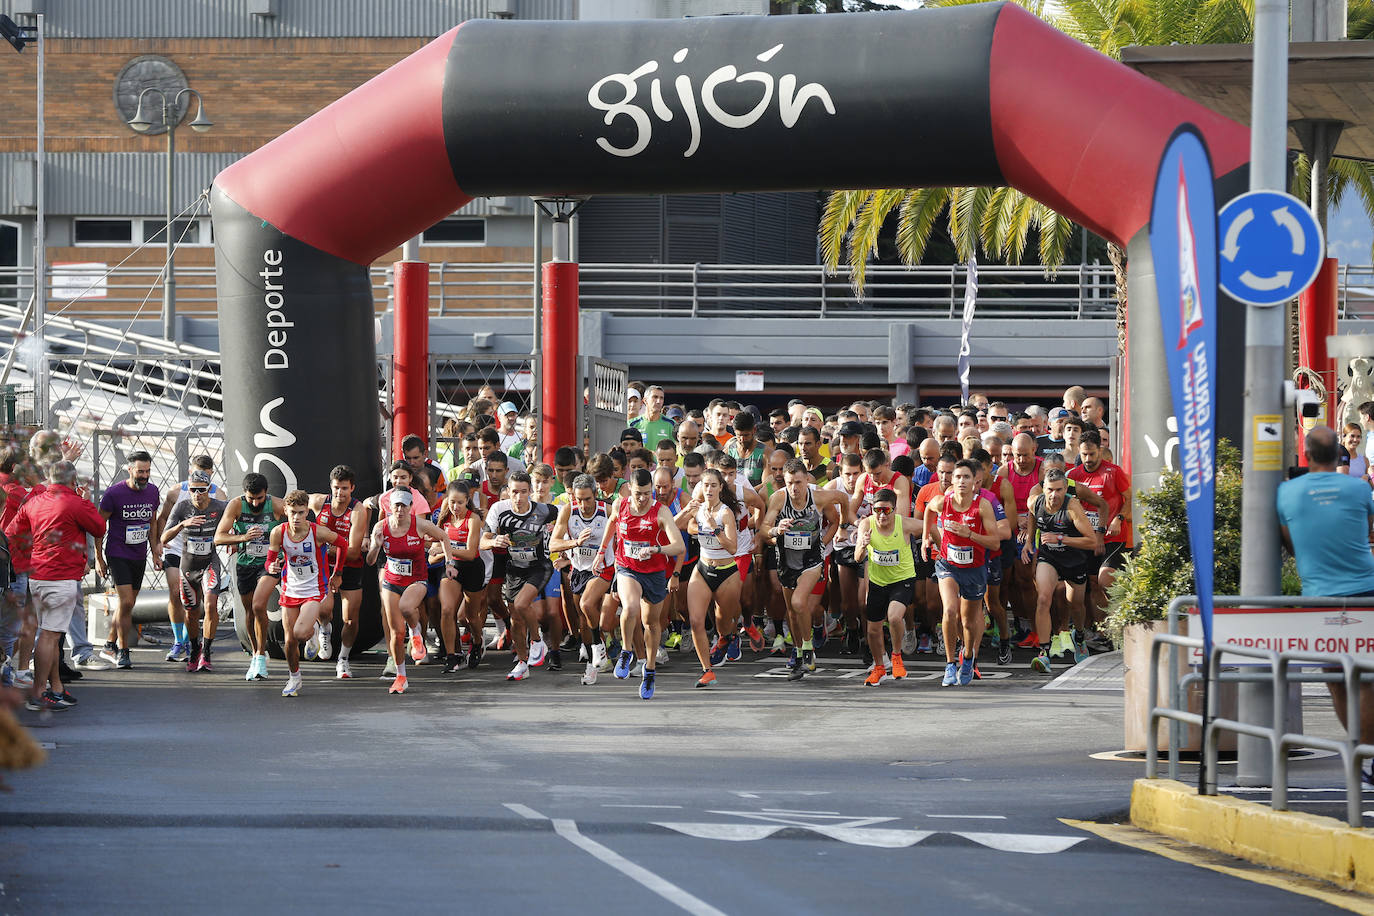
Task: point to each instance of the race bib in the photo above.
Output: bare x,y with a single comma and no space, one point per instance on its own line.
798,540
398,567
200,546
709,541
454,545
1092,517
302,570
135,535
637,550
962,556
522,555
887,558
257,549
586,555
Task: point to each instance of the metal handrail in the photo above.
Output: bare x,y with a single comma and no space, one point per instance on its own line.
1354,671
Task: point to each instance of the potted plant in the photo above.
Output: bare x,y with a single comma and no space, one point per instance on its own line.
1161,570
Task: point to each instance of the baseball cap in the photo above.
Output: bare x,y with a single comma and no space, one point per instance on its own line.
1060,413
401,497
508,407
199,477
631,433
674,413
851,428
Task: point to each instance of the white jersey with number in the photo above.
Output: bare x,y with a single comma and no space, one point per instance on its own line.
584,557
303,574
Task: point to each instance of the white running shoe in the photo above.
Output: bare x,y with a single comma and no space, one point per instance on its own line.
519,672
500,632
662,656
311,649
589,676
538,652
389,670
642,665
582,653
599,657
341,669
23,678
262,674
323,632
293,685
686,645
909,642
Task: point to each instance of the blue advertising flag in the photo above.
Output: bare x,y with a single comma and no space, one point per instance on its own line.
1183,239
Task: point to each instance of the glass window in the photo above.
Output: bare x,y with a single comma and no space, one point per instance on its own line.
456,231
104,231
184,232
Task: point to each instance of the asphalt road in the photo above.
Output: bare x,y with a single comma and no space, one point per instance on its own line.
167,791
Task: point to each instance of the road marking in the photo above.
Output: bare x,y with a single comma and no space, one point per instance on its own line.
1033,843
528,813
972,817
806,820
676,807
664,888
1188,854
793,811
732,832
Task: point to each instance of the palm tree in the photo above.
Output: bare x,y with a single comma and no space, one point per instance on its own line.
999,221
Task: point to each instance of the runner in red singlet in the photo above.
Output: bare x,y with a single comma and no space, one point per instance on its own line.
1024,474
348,518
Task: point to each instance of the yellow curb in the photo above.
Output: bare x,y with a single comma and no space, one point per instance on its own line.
1320,847
1169,848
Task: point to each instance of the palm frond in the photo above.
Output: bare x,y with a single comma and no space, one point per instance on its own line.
916,219
836,219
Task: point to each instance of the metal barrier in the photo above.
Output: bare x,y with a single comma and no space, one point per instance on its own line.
455,380
1354,671
602,403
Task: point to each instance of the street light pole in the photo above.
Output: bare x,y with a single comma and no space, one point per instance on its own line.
142,124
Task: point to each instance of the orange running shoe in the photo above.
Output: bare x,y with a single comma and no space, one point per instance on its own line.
417,647
755,638
875,677
898,666
708,679
398,685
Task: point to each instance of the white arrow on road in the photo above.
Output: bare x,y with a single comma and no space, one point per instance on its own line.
1267,284
1285,218
1242,220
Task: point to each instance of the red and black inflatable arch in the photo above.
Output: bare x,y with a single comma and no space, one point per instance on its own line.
973,95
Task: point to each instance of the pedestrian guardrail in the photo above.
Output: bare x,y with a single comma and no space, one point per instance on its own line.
1283,668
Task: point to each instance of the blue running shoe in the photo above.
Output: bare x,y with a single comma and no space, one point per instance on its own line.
818,636
718,650
966,672
732,650
792,659
624,664
951,675
646,686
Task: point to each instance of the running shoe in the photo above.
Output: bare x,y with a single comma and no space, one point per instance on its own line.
779,646
966,672
452,663
791,659
262,667
191,667
311,649
476,653
718,650
1041,663
851,642
756,640
64,698
673,641
951,675
589,675
809,659
1004,652
110,652
399,685
252,671
555,660
1031,641
599,657
707,679
923,646
519,672
977,674
124,660
180,649
388,670
44,704
940,642
875,676
324,632
417,648
646,685
898,667
503,641
818,636
188,594
1080,651
538,653
797,673
500,635
23,678
293,685
786,633
661,657
732,651
342,670
624,663
687,644
203,663
582,655
909,642
92,662
570,642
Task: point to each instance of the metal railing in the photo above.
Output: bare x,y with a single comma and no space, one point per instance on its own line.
1354,671
504,289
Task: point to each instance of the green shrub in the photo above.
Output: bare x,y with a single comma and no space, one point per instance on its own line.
1163,567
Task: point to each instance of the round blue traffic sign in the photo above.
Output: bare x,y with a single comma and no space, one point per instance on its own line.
1270,247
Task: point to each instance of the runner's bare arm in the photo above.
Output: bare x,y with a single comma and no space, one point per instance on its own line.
676,546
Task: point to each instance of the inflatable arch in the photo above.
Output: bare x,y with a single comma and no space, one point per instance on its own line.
974,95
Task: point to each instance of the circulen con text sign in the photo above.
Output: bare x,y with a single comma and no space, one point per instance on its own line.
1183,235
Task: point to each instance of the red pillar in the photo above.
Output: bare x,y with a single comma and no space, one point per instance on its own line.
558,388
410,367
1317,320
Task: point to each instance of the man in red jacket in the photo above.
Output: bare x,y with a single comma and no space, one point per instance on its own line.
55,524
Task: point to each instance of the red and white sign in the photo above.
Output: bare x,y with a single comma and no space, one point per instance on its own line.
1289,629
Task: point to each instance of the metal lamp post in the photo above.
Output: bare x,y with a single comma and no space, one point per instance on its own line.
142,124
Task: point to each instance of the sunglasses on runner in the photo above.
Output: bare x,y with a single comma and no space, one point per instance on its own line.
198,489
881,510
997,419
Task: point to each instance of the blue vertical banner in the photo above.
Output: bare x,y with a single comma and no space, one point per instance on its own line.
1183,240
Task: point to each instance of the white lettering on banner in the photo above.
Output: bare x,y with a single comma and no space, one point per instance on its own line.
1197,410
275,357
791,101
276,436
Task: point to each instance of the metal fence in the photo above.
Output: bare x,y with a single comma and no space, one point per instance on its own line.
1284,668
602,417
457,380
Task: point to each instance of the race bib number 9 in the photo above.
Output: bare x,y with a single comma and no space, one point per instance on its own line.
398,567
135,535
302,570
962,556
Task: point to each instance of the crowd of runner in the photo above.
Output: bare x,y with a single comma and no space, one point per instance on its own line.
880,531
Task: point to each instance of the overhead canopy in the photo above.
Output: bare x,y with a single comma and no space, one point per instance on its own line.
1327,80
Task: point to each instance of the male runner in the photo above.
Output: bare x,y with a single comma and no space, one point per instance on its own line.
581,525
130,510
193,523
884,540
171,557
1065,540
348,518
516,525
1112,484
247,524
298,549
746,448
